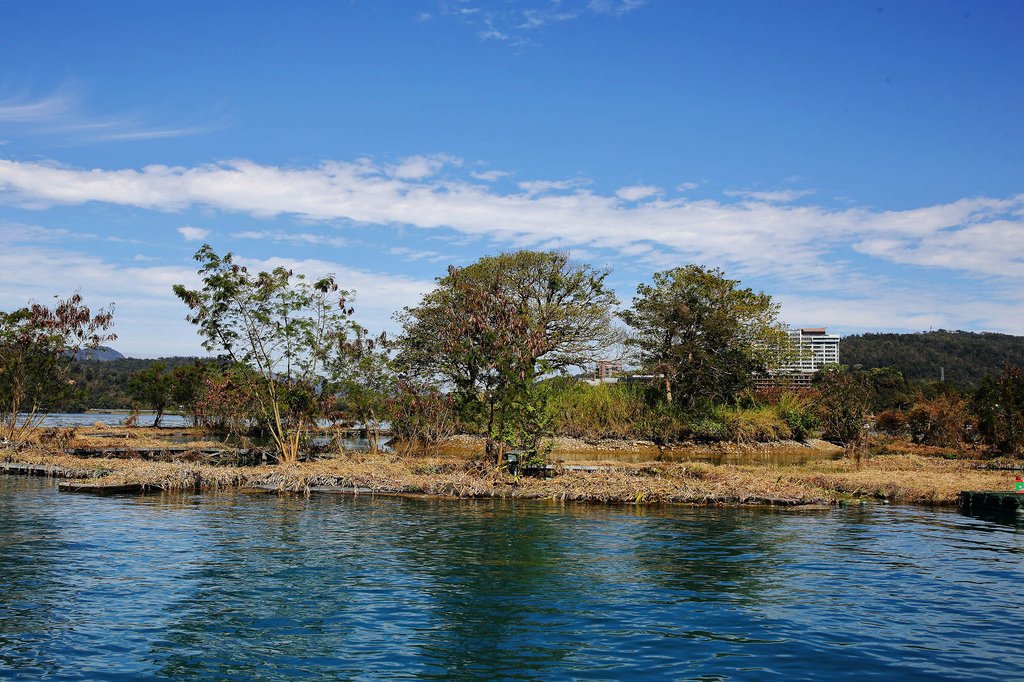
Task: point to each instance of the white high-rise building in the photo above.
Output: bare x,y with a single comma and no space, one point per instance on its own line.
816,348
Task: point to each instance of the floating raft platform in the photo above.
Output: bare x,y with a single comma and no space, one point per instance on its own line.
99,488
991,501
44,470
29,469
142,452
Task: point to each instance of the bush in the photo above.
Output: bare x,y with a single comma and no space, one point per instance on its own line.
798,412
580,410
708,429
757,425
892,422
943,421
999,406
420,417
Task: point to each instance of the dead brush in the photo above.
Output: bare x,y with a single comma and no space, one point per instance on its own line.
898,478
57,439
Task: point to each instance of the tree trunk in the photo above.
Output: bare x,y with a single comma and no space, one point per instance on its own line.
373,433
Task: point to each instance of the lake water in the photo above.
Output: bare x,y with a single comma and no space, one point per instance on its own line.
249,586
110,419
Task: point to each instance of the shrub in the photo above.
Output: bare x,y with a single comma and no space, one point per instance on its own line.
999,406
943,421
581,410
743,424
708,429
892,422
420,417
798,413
843,402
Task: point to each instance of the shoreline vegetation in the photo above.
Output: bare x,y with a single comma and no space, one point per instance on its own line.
891,471
693,399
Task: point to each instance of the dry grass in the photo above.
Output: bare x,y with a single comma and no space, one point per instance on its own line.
904,477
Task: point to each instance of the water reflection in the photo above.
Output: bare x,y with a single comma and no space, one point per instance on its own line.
246,586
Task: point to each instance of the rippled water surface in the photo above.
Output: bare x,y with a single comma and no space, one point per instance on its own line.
109,419
250,586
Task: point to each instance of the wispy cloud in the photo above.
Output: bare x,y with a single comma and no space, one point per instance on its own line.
20,109
516,22
490,176
24,233
62,114
303,238
615,7
784,196
637,192
408,254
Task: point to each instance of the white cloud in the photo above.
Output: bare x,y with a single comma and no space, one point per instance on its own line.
419,167
534,187
376,296
291,237
22,110
615,7
761,236
193,234
636,192
994,248
902,309
687,186
14,232
490,176
60,114
780,196
148,318
408,254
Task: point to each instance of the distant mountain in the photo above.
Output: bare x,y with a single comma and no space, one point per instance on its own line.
965,357
100,354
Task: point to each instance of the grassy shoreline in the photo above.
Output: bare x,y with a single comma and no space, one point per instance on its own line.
902,474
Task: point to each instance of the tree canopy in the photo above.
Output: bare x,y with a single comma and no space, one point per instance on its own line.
278,324
490,330
701,334
961,358
37,348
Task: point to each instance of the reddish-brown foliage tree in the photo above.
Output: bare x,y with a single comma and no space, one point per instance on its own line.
37,346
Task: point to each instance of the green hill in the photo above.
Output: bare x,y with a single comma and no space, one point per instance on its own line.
102,383
965,356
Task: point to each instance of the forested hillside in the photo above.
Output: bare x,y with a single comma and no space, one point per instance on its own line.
966,356
103,384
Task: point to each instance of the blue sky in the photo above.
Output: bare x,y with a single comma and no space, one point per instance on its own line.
862,162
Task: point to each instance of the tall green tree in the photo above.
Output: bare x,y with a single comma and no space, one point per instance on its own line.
278,324
153,386
490,330
844,404
362,383
702,335
187,387
37,348
999,405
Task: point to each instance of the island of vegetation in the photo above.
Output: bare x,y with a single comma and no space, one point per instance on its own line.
488,392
